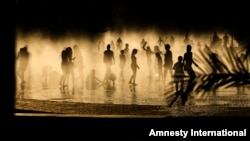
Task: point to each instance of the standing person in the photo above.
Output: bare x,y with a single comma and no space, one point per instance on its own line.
142,43
179,74
168,62
23,58
109,59
216,40
160,42
64,62
179,78
122,64
119,44
134,66
67,66
156,60
126,52
188,61
149,52
225,40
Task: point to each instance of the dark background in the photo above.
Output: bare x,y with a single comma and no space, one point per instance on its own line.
95,16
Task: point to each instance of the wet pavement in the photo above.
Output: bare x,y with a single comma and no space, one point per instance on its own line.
126,100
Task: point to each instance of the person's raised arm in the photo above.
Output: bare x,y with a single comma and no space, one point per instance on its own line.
144,45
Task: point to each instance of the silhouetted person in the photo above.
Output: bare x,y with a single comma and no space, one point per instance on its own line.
78,63
142,43
122,58
92,82
179,74
134,66
156,50
179,80
23,58
160,42
215,40
215,37
108,59
188,61
149,53
225,40
126,52
64,63
168,62
119,44
67,66
159,65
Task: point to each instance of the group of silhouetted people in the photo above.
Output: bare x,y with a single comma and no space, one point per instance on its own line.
72,62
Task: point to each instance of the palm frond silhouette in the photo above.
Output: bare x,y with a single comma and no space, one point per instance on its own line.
227,69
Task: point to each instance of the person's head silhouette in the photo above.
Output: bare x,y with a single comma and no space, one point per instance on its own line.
179,58
108,47
189,47
167,46
122,51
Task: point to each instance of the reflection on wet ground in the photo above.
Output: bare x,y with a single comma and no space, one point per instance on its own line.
126,100
124,93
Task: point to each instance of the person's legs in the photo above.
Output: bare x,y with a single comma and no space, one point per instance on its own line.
176,86
182,84
132,76
135,70
191,74
132,79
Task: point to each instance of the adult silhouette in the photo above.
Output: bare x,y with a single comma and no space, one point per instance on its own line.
188,61
134,66
67,66
108,59
168,62
23,58
149,53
